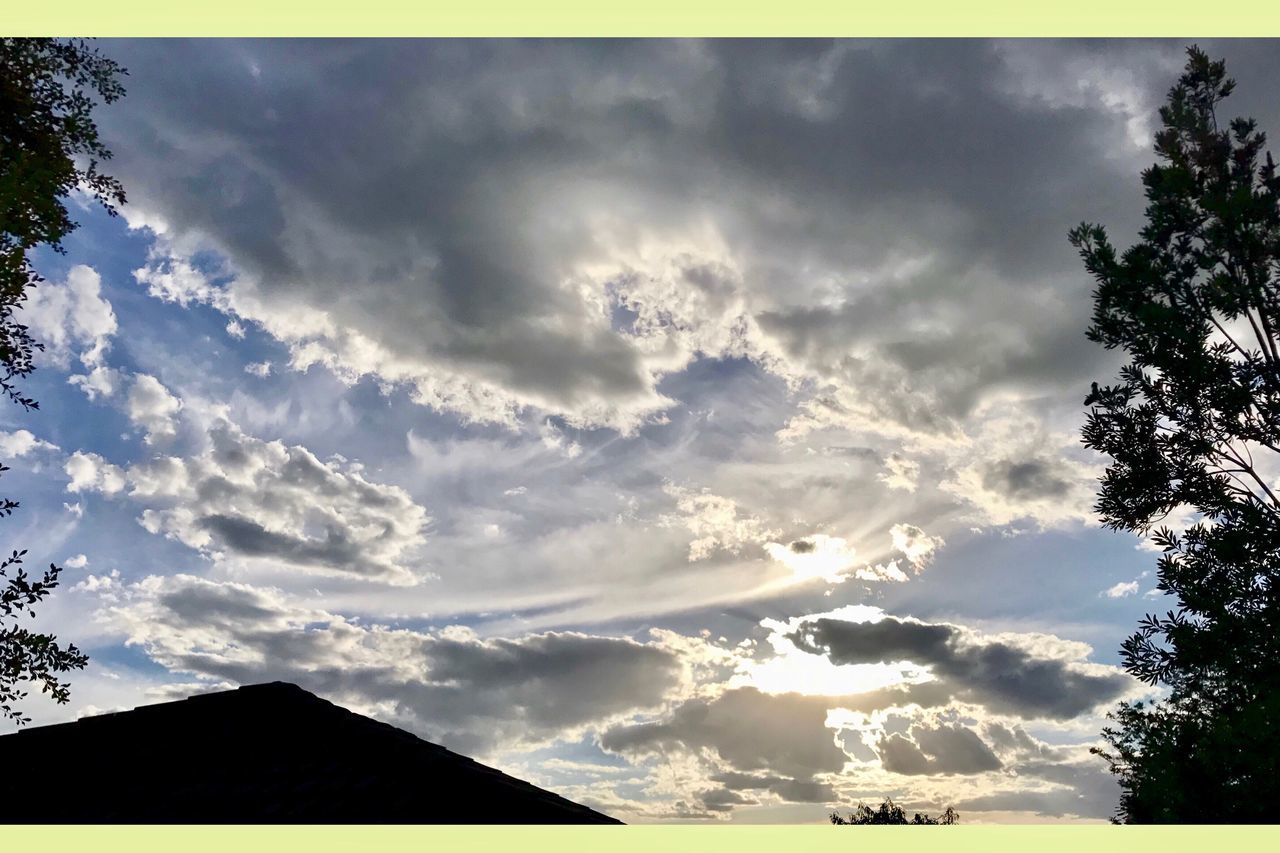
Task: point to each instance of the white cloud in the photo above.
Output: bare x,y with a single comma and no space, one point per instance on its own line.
259,501
554,439
79,561
1121,590
100,381
16,444
1014,469
90,472
900,472
715,523
152,407
173,278
914,544
470,693
261,369
828,558
71,319
106,588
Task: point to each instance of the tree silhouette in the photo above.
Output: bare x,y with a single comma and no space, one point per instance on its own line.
1193,427
49,148
890,813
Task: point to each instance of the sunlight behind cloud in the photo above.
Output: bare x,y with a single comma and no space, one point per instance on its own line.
830,558
791,670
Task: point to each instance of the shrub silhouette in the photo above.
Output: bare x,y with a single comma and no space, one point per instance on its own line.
890,813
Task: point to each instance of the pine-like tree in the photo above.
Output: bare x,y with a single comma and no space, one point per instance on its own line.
1192,428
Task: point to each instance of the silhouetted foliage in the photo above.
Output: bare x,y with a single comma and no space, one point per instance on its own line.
49,148
1193,427
890,813
26,657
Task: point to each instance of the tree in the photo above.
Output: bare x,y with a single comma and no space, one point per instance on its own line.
890,813
26,656
1192,427
49,148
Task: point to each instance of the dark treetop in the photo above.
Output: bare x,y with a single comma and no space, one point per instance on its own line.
1193,427
49,148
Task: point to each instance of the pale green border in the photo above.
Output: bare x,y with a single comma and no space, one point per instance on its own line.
874,18
638,839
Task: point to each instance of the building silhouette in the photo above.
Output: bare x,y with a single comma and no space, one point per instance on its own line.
264,753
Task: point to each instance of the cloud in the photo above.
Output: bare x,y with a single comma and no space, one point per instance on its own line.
494,283
469,693
942,749
789,790
829,558
1121,590
914,544
264,500
19,443
90,472
819,278
1058,780
71,318
900,473
1014,469
1030,676
99,382
176,279
715,522
1055,782
747,729
152,407
79,561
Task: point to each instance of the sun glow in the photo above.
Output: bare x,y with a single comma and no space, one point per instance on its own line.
831,559
792,670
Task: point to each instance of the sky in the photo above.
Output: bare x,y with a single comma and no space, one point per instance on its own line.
689,428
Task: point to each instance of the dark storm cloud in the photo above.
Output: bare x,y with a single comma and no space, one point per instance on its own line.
439,197
1029,479
723,800
996,673
216,605
791,790
943,749
900,755
253,540
762,735
751,730
468,693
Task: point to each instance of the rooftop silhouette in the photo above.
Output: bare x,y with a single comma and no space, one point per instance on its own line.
263,753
